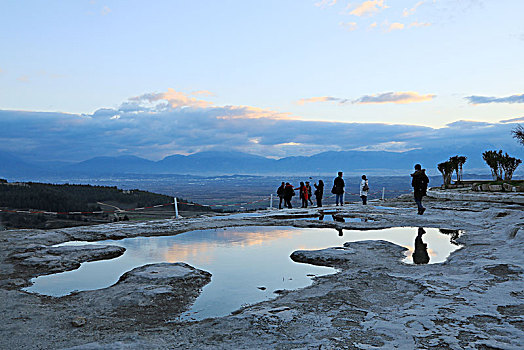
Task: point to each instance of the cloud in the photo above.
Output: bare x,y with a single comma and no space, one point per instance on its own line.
248,112
388,97
176,99
141,128
326,3
409,12
394,97
476,100
419,24
395,26
23,79
303,101
391,146
513,120
368,8
350,26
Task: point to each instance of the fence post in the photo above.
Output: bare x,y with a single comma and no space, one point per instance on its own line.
176,208
383,190
271,201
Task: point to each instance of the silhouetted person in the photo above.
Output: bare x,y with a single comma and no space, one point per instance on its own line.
288,195
419,182
338,189
280,194
319,192
364,188
303,192
420,255
340,233
309,195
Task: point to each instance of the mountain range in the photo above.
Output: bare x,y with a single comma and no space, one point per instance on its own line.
232,162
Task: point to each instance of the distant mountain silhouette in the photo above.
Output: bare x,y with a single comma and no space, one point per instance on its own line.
220,162
228,163
12,166
113,165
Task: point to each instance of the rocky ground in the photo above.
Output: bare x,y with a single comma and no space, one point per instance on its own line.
475,300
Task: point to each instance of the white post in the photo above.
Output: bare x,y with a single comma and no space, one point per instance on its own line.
383,190
271,202
176,208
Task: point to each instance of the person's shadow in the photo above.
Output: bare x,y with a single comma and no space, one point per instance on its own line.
420,255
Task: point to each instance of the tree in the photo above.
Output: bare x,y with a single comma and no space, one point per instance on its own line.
509,164
492,159
518,134
446,169
457,162
501,163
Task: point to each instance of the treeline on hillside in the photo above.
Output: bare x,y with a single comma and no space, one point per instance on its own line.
67,197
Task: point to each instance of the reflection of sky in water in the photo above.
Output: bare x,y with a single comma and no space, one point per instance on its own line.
240,259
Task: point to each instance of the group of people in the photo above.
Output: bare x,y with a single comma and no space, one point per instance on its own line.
286,191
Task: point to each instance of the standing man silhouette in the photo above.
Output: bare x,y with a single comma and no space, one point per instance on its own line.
420,183
280,194
338,189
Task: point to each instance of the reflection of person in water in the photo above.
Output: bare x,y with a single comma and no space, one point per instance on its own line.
420,255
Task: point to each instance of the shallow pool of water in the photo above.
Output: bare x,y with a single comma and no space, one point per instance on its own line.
247,263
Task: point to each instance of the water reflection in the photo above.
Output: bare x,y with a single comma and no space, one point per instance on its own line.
420,255
248,263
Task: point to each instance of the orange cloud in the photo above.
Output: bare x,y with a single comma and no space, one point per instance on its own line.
395,26
368,8
179,99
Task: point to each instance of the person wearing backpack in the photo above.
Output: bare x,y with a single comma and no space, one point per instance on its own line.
309,195
338,189
420,183
303,194
364,188
288,195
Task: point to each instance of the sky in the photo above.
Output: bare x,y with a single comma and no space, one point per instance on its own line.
274,78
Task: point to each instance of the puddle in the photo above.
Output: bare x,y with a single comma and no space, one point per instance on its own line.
248,263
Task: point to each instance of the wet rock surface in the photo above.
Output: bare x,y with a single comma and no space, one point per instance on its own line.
474,300
39,259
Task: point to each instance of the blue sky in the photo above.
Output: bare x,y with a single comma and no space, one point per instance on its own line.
242,65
